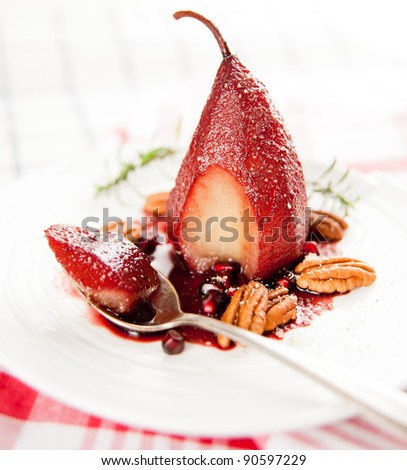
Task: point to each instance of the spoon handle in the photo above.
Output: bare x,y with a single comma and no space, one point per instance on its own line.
371,396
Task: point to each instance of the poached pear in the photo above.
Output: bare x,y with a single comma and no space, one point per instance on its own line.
240,192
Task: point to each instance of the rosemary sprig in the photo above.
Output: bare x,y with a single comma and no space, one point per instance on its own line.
144,158
156,154
333,191
123,175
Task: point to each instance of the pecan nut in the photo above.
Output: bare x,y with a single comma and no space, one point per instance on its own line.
281,309
156,204
132,231
255,308
246,309
336,274
326,227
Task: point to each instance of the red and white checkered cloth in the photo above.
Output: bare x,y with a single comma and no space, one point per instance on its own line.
70,74
30,420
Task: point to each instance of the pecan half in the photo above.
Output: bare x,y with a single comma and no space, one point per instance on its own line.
277,292
131,232
246,309
337,274
255,308
156,204
281,308
326,227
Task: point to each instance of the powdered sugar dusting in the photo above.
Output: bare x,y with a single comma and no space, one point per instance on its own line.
113,272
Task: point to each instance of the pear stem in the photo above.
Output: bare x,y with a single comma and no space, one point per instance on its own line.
215,31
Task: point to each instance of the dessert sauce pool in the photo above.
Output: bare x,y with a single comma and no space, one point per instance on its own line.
188,284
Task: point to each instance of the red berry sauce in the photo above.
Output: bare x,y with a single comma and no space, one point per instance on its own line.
309,306
194,289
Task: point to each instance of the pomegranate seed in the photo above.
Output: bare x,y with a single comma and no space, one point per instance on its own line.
210,284
213,303
285,278
173,342
230,267
209,305
285,282
310,247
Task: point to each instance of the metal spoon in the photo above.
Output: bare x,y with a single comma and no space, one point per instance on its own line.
378,400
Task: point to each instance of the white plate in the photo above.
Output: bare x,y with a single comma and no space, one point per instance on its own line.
47,338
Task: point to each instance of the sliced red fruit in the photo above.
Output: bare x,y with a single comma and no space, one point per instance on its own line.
241,181
213,225
112,272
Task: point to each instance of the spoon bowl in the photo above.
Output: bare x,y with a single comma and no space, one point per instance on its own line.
166,305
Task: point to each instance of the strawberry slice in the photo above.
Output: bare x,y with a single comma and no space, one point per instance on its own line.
113,273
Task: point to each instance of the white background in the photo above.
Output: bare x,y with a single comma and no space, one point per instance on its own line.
72,72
